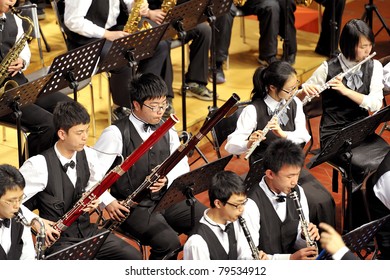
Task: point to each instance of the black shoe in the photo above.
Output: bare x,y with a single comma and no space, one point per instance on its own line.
291,58
267,61
170,110
220,76
120,113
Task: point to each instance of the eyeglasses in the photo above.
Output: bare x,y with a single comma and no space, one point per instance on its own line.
293,89
14,202
162,107
238,206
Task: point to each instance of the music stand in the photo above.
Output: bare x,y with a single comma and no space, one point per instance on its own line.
74,66
84,250
367,16
341,145
12,100
255,174
357,239
181,18
186,186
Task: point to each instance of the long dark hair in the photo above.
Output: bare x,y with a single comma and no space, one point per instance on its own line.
276,74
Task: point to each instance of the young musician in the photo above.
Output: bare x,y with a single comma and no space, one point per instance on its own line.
352,98
273,214
36,117
57,179
89,20
16,241
212,239
159,230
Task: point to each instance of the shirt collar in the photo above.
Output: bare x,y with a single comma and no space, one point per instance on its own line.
63,159
211,222
272,103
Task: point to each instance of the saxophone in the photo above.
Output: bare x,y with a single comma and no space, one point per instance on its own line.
41,235
239,3
255,251
132,24
167,5
305,3
309,242
13,54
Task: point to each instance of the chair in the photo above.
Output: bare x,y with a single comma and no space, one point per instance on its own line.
385,60
226,126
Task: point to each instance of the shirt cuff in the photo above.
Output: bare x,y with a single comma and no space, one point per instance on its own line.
340,253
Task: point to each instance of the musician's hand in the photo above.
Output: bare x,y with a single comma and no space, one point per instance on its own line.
92,206
16,66
113,35
330,240
274,125
313,232
337,84
157,16
144,9
254,137
263,256
308,253
159,184
51,234
115,210
310,91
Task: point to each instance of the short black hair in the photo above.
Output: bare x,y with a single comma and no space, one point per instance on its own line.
282,152
10,179
68,114
147,86
350,36
223,185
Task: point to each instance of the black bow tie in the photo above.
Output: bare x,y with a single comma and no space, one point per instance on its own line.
70,164
153,127
228,227
5,222
281,198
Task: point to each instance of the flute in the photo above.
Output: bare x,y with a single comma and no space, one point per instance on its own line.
325,86
265,130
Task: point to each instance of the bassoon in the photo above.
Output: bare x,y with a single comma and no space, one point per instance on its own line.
98,189
169,163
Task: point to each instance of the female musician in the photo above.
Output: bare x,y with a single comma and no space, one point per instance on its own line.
272,86
349,99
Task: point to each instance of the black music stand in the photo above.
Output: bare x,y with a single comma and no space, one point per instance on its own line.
181,18
255,174
12,100
74,66
342,144
357,239
367,16
131,49
84,250
190,184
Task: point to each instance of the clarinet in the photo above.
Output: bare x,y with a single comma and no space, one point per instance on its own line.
265,130
96,191
304,224
169,163
325,86
254,250
41,235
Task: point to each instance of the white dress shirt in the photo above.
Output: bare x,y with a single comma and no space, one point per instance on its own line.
253,214
28,251
110,145
196,247
76,10
247,122
386,77
371,102
35,172
382,189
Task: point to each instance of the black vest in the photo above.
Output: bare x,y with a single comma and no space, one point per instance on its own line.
135,176
98,14
216,250
276,237
16,242
338,110
262,120
60,195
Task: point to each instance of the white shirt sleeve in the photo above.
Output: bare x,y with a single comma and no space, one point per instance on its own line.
196,248
373,101
25,54
382,189
247,122
300,134
386,77
28,251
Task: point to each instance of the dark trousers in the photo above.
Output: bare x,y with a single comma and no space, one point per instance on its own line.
38,119
324,42
223,34
160,230
271,16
